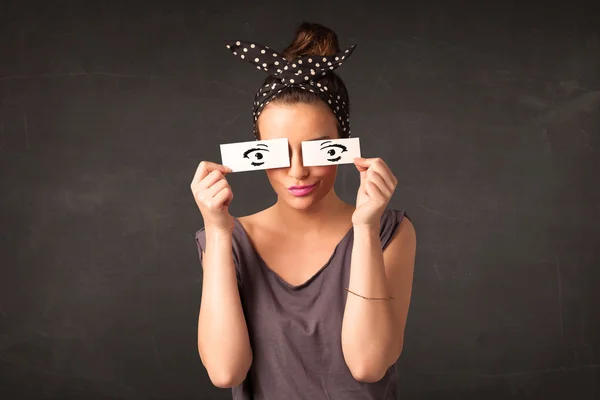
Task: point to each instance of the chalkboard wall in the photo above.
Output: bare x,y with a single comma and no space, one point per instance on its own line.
488,114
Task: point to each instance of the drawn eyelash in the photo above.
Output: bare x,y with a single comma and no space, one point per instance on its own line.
341,146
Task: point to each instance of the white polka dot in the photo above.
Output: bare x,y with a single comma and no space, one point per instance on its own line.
325,87
312,71
245,50
279,70
274,54
337,58
299,72
343,57
258,67
237,43
299,61
332,67
294,65
253,45
324,59
235,53
329,63
228,46
256,60
276,63
291,81
329,101
318,84
310,60
242,56
317,65
346,51
285,67
264,64
262,51
306,78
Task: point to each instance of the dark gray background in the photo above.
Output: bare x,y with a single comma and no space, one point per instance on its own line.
487,113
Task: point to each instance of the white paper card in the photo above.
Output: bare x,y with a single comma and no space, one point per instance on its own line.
256,155
330,151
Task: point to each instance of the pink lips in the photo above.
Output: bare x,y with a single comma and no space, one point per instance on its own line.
301,190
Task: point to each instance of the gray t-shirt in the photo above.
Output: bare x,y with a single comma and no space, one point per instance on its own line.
295,331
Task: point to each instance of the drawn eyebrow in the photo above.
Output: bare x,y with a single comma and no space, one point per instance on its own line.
262,144
324,143
253,149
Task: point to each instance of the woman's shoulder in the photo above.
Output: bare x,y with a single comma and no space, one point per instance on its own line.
393,215
391,219
247,222
240,239
251,222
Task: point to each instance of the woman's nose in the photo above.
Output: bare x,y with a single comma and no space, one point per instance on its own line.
297,169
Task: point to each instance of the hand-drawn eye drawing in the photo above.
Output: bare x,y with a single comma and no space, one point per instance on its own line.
335,150
256,154
330,151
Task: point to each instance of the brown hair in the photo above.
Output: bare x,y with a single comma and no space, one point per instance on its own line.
311,40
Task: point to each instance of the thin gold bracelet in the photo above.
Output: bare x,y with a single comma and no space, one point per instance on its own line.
370,298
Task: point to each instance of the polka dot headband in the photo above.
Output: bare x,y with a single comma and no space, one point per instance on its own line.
303,72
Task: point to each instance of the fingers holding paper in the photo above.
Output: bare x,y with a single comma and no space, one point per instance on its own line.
377,185
213,195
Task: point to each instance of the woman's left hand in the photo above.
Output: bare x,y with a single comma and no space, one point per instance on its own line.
377,185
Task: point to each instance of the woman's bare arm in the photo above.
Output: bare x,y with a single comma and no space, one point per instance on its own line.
223,341
373,330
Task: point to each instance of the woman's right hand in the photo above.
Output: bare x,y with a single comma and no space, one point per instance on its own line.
213,195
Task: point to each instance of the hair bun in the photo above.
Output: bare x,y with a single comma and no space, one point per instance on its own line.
312,40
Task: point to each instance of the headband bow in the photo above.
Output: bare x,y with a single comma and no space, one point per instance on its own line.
303,72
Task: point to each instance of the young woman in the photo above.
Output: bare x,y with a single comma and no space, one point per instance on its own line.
308,298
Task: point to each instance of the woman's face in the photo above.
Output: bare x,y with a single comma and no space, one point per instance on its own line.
299,122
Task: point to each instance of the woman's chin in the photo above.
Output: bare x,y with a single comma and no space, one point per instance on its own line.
305,202
298,202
